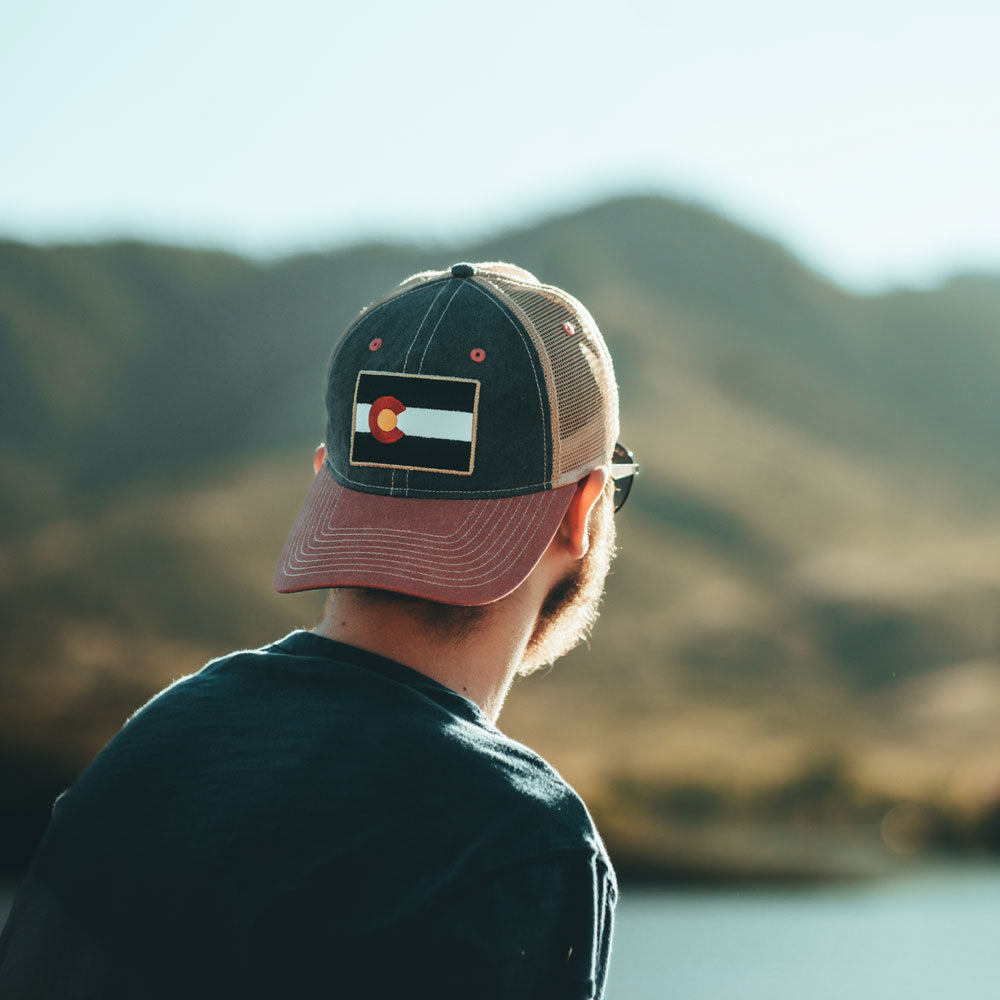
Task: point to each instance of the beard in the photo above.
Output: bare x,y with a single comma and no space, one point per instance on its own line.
572,606
565,618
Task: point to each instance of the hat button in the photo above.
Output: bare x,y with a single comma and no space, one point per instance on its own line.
462,271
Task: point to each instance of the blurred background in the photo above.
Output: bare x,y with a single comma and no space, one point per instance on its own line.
785,220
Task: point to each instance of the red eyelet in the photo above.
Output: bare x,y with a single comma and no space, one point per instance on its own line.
477,354
375,344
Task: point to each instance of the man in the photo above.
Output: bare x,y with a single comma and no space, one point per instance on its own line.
336,814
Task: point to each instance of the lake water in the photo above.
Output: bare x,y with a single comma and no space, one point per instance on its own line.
927,936
932,935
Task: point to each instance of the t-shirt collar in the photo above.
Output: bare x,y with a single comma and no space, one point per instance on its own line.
304,643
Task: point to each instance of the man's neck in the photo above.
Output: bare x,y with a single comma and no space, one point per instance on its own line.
479,663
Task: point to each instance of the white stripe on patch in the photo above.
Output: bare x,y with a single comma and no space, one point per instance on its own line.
448,425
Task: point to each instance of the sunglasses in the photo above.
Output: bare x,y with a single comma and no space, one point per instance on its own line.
624,469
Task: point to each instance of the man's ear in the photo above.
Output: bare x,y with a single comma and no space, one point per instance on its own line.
573,530
318,457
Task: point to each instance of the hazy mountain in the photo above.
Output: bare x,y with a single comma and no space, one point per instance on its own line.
123,358
806,594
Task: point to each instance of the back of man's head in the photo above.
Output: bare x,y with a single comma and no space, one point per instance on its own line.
464,410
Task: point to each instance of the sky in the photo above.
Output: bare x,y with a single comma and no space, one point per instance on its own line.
865,136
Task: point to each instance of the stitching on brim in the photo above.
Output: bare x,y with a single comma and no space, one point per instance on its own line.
300,563
436,578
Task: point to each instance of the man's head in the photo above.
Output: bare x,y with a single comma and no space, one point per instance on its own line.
472,417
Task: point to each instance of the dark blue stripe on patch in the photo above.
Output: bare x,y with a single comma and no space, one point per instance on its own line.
419,391
414,452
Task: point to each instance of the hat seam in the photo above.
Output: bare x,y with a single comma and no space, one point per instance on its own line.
394,296
420,368
420,326
546,467
595,341
511,491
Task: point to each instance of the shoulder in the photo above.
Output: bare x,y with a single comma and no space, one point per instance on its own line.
540,791
506,806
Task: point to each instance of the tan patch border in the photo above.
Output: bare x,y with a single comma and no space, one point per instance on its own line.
417,468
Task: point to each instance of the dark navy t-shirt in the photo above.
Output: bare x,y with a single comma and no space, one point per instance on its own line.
313,820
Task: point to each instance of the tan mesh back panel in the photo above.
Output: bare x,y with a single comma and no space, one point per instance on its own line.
582,389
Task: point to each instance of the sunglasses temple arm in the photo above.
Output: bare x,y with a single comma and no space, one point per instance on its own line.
622,470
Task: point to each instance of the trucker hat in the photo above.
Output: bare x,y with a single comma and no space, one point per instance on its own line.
462,409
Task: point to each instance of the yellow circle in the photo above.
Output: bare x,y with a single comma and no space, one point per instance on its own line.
386,419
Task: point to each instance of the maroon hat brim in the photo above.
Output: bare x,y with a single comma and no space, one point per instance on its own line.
454,551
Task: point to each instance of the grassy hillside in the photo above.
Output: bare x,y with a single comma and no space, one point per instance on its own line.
800,633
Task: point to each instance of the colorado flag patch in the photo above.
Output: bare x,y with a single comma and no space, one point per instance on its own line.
422,423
